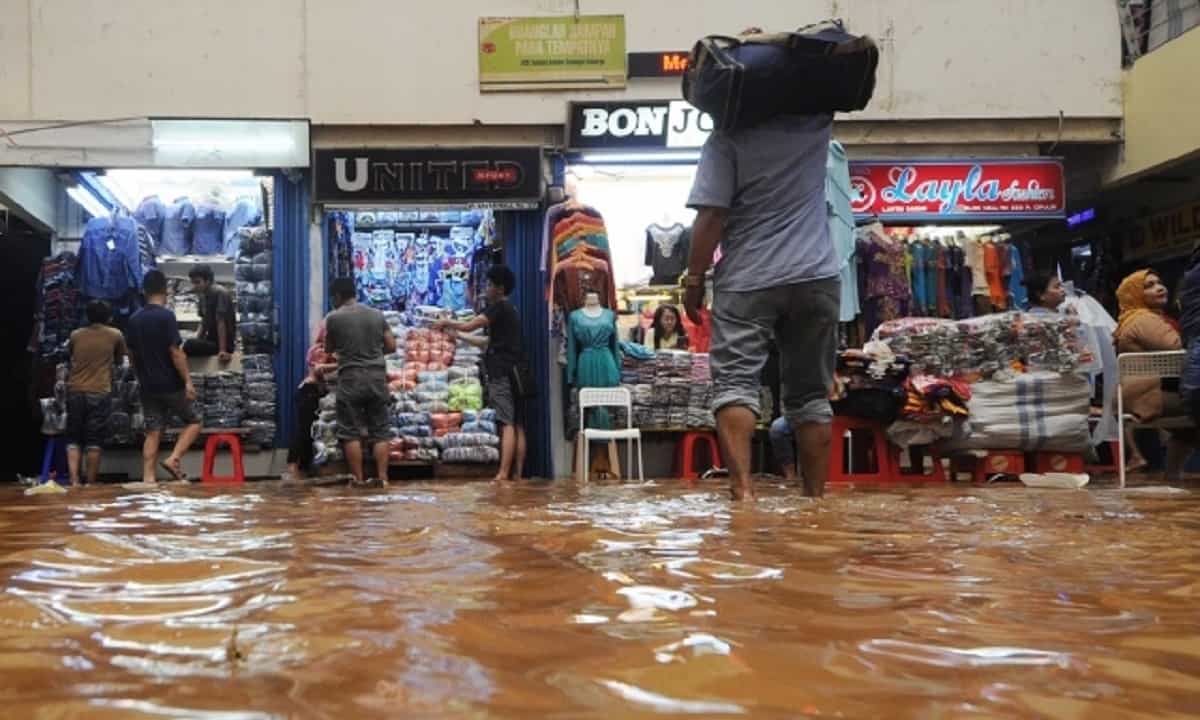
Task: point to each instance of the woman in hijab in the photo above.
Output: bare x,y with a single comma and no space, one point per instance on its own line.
1143,326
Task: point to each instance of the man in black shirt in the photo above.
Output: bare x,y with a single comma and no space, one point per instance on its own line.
162,372
503,351
218,318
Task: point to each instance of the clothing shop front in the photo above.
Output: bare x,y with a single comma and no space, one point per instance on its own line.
418,228
905,231
202,199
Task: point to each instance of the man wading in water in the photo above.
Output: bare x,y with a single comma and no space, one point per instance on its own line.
359,337
760,195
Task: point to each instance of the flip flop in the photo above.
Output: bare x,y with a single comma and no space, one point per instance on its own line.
178,476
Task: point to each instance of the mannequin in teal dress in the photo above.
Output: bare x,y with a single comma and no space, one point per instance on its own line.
593,355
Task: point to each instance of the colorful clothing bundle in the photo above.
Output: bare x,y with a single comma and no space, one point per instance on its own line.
933,278
407,259
982,347
60,307
577,259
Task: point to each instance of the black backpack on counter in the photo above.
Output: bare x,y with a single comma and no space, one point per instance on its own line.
743,81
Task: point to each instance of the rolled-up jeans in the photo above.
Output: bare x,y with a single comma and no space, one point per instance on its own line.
802,319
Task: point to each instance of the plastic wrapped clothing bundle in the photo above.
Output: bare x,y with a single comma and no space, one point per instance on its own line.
1031,412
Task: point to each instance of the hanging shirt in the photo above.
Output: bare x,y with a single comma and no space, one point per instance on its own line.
995,283
667,250
150,213
973,252
244,212
110,264
208,230
841,227
1016,278
176,237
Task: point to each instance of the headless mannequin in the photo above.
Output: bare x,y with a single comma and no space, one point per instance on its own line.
606,465
591,305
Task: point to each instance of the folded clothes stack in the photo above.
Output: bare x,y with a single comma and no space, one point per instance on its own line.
224,404
260,393
326,448
256,306
476,442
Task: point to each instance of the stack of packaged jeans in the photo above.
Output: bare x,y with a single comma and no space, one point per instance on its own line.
700,394
174,423
60,307
476,442
260,395
256,304
126,420
224,405
326,448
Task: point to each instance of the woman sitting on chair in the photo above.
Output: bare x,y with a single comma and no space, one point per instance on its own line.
1143,327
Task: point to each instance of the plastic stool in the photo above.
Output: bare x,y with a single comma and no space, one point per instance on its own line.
1058,462
841,462
685,467
234,443
55,446
1101,467
996,462
918,474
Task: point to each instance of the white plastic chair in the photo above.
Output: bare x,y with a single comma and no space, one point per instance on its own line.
610,397
1132,366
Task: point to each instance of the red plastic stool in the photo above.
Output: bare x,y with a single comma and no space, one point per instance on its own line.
917,474
1111,466
215,441
996,462
1058,462
841,462
685,467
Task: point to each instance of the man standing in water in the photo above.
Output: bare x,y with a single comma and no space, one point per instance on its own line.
760,195
155,349
503,351
359,337
93,350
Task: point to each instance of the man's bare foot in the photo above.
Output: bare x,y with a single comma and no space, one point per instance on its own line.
501,479
368,483
742,491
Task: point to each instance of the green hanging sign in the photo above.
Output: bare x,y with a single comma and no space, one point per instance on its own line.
552,53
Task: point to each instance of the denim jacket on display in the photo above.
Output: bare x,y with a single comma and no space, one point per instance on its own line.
244,212
176,237
150,213
109,265
208,232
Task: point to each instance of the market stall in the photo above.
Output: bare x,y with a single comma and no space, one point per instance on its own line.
418,229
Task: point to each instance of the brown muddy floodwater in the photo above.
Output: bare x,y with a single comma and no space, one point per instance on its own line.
598,602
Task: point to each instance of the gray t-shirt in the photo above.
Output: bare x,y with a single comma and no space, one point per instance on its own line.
355,332
771,178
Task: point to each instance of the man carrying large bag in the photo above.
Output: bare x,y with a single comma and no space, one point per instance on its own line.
759,193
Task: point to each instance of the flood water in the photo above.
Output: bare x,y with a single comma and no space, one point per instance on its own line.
471,600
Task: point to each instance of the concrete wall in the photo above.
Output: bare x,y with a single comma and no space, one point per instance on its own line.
1162,102
383,61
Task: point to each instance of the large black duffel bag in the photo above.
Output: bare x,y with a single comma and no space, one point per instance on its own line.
817,69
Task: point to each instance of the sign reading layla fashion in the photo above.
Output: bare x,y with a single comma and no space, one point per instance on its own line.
1163,233
646,125
428,175
939,190
552,53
